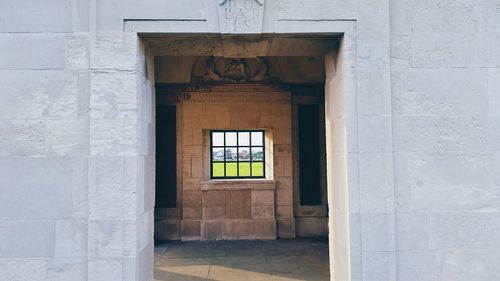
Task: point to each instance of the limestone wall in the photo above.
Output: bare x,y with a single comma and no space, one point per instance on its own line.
44,146
445,126
76,201
422,134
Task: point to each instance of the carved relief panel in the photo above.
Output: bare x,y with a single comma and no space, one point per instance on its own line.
241,16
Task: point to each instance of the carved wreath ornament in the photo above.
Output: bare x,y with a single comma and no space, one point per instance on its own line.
260,2
236,70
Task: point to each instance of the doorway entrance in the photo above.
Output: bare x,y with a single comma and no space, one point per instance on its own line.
179,77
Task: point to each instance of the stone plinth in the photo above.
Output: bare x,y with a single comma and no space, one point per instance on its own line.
238,209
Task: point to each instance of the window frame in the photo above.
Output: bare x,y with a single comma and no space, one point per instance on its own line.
237,146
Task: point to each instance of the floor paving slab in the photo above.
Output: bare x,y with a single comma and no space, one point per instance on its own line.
246,260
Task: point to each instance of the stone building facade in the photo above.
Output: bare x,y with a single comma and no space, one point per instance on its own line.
411,97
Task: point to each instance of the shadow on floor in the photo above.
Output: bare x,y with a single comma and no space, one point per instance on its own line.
277,260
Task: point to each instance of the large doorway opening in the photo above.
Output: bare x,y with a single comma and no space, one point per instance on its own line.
208,107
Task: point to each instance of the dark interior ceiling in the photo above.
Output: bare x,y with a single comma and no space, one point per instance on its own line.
241,46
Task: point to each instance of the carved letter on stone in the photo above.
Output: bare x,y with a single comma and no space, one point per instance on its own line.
241,16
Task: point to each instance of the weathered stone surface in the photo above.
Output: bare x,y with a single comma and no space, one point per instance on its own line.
191,184
264,229
32,50
238,229
262,197
27,239
493,90
113,94
486,50
411,231
67,269
114,50
444,133
418,265
132,234
449,16
211,230
379,266
238,204
191,198
191,230
262,212
79,191
377,232
78,51
459,231
468,264
214,213
107,189
192,151
284,211
113,136
71,238
284,197
285,228
196,167
373,99
311,227
14,15
440,50
375,183
41,94
284,182
214,198
51,179
356,269
423,91
105,238
375,133
68,137
110,14
430,182
373,53
192,213
23,138
23,269
400,51
167,230
106,269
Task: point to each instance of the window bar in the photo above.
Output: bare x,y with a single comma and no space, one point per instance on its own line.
211,155
250,142
238,154
224,154
263,156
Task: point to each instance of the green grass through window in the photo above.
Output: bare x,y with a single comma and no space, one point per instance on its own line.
231,169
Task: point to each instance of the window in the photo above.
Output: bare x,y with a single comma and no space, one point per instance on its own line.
237,154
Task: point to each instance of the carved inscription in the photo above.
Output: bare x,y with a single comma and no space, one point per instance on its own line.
238,98
241,16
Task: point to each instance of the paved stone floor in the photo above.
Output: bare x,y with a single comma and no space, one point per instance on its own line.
279,260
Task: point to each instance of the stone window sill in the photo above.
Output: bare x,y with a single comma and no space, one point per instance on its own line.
238,184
